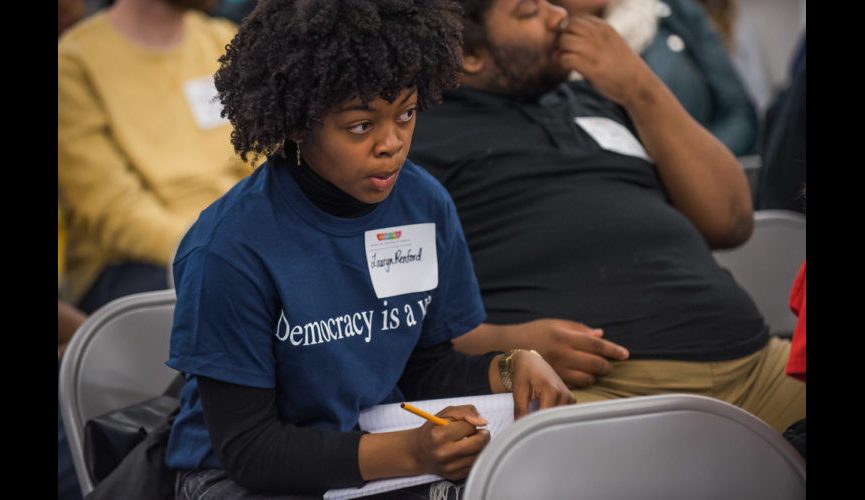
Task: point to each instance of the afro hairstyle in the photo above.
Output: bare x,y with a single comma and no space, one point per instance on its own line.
292,61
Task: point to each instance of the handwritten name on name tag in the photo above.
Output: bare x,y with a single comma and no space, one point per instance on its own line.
402,259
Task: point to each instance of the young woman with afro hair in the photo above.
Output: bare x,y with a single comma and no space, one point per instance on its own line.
334,277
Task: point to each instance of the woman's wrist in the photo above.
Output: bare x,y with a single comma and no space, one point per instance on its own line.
503,367
506,369
389,454
496,385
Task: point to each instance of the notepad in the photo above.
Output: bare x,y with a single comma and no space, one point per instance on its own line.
497,409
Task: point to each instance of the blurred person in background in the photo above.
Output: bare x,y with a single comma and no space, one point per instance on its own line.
142,147
781,183
740,38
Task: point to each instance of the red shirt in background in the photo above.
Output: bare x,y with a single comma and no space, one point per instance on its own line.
796,363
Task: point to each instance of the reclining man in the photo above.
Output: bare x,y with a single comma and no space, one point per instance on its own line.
599,202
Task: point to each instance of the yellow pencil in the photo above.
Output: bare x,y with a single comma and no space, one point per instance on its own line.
417,411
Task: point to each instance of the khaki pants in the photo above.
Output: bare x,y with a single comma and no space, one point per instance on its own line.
756,383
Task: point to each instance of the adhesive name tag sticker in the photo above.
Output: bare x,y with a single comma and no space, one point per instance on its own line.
612,136
402,259
204,102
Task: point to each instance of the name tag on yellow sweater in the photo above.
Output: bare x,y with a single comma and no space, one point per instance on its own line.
204,102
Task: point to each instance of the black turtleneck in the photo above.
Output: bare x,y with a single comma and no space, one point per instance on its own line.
256,448
325,195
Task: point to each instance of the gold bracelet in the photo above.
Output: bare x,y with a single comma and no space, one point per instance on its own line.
506,367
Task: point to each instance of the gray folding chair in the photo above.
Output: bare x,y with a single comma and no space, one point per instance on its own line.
664,447
766,265
115,359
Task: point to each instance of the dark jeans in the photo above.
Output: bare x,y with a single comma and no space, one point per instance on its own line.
119,280
215,484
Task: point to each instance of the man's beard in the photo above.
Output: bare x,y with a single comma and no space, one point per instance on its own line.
520,71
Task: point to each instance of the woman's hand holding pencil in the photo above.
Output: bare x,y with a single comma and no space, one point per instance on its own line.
448,443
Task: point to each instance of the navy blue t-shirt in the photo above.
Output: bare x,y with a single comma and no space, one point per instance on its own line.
273,292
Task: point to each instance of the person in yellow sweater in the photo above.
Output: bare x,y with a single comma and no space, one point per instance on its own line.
142,148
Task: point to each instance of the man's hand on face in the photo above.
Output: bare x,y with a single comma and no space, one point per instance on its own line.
590,46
